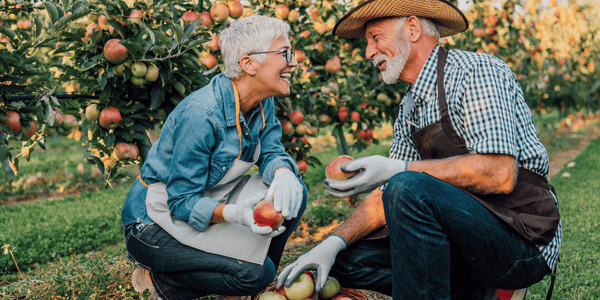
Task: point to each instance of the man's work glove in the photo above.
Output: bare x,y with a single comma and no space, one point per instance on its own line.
243,213
320,258
375,171
286,192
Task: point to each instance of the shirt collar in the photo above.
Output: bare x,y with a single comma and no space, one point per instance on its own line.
424,87
227,93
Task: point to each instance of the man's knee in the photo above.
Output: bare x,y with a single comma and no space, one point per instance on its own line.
405,183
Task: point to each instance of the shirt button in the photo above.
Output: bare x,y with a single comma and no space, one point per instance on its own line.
246,133
224,168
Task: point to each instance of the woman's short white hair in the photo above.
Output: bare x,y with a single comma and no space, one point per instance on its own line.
251,34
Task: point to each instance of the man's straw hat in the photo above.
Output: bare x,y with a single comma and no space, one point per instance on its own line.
447,16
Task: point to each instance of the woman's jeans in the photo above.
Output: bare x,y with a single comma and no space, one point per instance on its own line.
182,272
442,244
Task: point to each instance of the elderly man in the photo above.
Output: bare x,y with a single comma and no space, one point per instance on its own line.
466,207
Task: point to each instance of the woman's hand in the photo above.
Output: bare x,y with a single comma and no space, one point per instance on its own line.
243,213
286,192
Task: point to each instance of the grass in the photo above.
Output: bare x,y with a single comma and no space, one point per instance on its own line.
578,272
91,265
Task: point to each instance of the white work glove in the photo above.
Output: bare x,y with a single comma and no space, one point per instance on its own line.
286,192
243,213
320,258
375,171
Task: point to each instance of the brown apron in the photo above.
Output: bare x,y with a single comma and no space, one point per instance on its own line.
529,209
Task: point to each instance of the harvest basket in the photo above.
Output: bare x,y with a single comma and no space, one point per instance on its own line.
351,293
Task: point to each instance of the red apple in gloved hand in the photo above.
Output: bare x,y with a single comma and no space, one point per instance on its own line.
266,215
334,168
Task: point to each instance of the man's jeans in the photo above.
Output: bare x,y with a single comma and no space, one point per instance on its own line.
182,272
443,244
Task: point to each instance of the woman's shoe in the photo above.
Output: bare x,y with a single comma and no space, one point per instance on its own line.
140,279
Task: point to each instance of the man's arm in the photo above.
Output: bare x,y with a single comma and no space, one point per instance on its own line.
479,173
366,218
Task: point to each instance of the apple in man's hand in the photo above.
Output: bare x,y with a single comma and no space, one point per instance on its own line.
266,215
334,168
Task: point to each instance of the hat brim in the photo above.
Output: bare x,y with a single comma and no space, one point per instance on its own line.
445,14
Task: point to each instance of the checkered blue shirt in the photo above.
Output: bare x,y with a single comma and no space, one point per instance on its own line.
487,109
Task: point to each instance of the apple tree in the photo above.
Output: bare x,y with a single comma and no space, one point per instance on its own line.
26,97
131,63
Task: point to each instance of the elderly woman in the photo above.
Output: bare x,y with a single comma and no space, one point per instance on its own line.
188,218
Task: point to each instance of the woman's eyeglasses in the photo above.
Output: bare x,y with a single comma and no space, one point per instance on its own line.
289,54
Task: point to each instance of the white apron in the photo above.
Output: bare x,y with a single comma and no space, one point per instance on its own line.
226,239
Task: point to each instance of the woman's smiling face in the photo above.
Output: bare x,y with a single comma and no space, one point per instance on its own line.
274,73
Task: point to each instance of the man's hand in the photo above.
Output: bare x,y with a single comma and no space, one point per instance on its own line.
374,171
243,213
320,258
286,192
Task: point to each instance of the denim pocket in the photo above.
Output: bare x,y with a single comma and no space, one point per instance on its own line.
144,234
218,168
524,273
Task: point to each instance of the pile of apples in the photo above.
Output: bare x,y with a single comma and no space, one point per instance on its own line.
303,288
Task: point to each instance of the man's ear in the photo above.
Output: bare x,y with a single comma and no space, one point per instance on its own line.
414,28
248,65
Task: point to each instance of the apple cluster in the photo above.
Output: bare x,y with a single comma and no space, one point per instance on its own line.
298,129
63,124
303,288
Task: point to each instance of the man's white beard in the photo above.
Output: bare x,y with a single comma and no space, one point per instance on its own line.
394,65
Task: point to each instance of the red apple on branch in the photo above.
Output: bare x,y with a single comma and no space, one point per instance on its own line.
115,52
13,120
189,16
297,117
219,12
110,118
236,9
28,131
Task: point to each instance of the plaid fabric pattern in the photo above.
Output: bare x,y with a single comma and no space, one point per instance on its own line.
487,109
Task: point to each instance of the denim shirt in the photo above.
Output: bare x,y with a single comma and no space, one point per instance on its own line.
198,144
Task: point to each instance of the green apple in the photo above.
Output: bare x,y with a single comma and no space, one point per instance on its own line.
152,73
331,288
138,69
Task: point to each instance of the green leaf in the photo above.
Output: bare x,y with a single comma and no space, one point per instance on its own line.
98,162
86,66
52,11
105,95
7,32
189,29
118,27
133,46
162,37
4,65
110,140
157,95
178,32
37,30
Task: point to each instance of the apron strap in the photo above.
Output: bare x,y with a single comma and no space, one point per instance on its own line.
237,117
442,54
